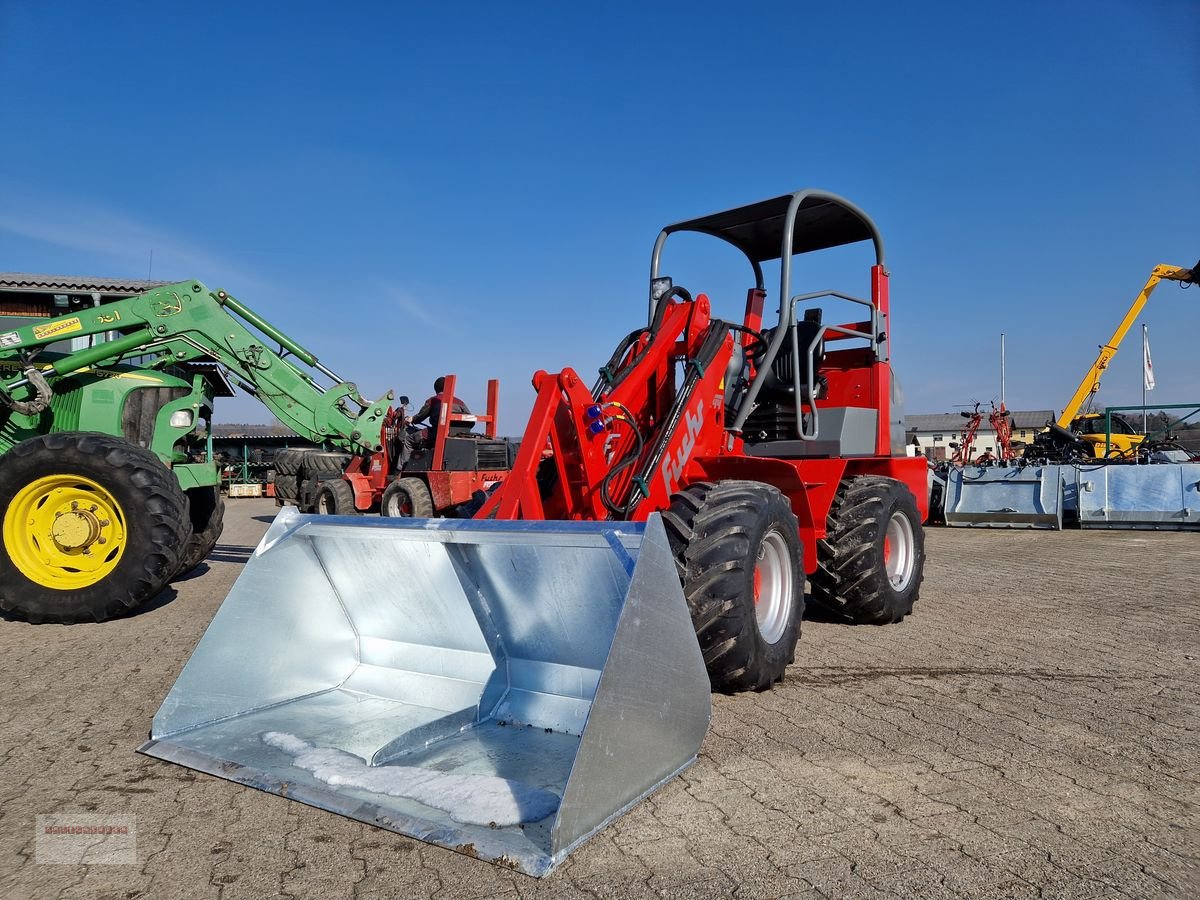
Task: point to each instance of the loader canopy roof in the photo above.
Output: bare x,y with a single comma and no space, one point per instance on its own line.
821,220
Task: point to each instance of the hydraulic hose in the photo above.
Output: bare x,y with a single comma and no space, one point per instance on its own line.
625,462
41,400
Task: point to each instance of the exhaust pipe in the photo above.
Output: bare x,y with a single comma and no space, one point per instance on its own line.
503,689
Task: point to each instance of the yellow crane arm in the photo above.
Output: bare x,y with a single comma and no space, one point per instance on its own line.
1091,381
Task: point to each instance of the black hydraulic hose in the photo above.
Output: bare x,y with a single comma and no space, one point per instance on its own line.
608,373
664,301
714,338
757,335
659,312
625,462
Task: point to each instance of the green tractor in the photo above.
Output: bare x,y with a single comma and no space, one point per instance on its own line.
107,492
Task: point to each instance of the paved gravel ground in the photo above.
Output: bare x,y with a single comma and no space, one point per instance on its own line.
1032,730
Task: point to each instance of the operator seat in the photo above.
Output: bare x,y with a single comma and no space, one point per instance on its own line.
778,386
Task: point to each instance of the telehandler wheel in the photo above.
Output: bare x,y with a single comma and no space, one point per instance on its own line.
407,497
207,515
737,549
870,565
335,497
92,527
313,461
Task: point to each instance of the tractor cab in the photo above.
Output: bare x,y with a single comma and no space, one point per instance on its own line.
816,381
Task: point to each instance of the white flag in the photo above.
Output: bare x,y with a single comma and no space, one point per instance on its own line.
1147,366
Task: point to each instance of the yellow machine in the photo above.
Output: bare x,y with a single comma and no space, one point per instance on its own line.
1123,440
1089,427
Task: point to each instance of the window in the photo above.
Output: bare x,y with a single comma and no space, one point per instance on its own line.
938,437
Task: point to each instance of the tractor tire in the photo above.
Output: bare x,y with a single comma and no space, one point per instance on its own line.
287,462
737,550
207,515
872,560
407,498
286,489
314,461
92,527
335,497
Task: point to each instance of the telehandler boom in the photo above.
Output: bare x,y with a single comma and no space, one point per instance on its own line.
1078,433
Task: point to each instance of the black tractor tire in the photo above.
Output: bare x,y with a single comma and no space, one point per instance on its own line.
407,498
206,511
852,581
320,461
721,534
335,497
287,488
153,509
306,494
287,462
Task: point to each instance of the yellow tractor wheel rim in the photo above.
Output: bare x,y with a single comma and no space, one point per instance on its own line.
65,532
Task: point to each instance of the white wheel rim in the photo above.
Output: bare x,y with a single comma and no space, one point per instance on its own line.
395,505
325,505
899,551
772,586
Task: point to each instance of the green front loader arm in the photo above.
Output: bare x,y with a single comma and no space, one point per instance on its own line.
187,322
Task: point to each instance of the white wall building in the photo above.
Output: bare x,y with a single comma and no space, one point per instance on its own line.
933,434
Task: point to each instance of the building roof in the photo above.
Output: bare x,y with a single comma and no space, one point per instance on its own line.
243,431
1021,418
74,284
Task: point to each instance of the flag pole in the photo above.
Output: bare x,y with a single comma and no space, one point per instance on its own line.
1145,340
1002,370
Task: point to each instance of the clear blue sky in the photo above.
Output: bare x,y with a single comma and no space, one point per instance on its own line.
419,188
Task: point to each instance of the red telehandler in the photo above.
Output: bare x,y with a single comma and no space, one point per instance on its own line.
771,452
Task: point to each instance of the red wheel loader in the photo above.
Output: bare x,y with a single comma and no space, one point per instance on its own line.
443,478
505,687
771,451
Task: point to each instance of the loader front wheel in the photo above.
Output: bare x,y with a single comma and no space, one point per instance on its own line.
737,550
207,516
872,560
407,498
92,527
335,498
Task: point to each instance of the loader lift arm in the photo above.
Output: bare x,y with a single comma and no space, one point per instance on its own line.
187,322
1091,380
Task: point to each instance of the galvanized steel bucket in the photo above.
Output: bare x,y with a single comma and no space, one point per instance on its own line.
1004,497
503,689
1159,496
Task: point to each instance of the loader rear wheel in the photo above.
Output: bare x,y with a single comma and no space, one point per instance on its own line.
207,515
92,527
737,550
408,498
335,498
872,560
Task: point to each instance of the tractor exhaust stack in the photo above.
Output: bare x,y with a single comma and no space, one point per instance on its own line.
503,689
